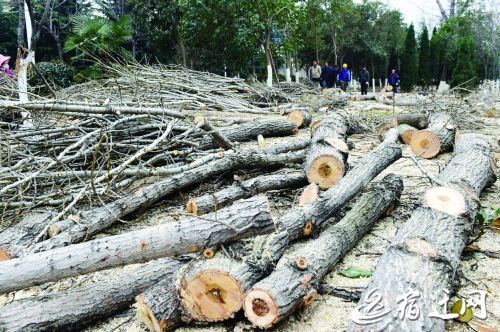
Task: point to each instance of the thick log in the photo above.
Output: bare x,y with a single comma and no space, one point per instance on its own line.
248,131
422,259
438,137
92,221
301,269
243,189
218,138
406,132
79,306
325,161
419,121
244,218
301,118
234,275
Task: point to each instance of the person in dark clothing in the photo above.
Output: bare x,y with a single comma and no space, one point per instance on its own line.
394,80
364,79
336,72
327,76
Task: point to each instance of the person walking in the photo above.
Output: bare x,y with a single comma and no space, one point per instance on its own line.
327,76
344,77
4,65
364,79
393,80
315,72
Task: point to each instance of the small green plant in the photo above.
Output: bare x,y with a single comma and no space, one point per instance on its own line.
486,216
57,74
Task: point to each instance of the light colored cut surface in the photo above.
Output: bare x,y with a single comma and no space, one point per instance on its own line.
325,171
260,308
309,194
425,144
445,200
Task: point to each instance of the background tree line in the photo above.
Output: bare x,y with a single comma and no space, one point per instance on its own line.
243,37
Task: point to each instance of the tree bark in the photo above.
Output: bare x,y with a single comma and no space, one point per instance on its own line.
261,184
80,306
419,121
425,253
438,137
249,131
244,218
301,269
94,220
327,156
251,259
218,138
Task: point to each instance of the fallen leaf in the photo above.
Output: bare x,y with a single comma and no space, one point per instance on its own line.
456,308
495,224
481,327
354,272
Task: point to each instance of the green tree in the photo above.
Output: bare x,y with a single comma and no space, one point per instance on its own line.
424,58
434,56
464,70
8,32
409,61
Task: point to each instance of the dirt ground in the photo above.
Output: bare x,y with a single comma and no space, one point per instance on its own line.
479,269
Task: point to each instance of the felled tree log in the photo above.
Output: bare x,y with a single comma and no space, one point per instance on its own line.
364,97
406,132
438,137
299,272
425,253
326,158
242,219
243,189
419,121
300,118
233,276
218,138
79,306
94,220
248,131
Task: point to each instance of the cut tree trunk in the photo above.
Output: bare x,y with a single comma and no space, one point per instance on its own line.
419,121
406,132
327,156
301,269
218,138
301,118
92,221
248,131
438,137
423,257
80,306
243,189
233,276
242,219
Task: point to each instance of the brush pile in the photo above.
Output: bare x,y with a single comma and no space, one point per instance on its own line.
106,151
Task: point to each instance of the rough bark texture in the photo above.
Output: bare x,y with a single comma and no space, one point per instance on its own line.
325,161
218,138
243,189
300,270
406,132
438,137
77,307
425,253
94,220
23,232
419,121
250,130
242,219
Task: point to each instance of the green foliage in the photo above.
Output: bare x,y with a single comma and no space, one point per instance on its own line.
99,37
57,75
409,61
434,56
464,71
354,272
424,59
8,29
486,216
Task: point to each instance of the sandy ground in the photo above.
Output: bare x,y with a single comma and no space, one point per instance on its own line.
478,269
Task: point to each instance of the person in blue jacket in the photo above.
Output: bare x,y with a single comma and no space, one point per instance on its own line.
327,76
344,77
394,80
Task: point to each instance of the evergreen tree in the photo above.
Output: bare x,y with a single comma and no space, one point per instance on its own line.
434,56
424,59
393,61
409,64
464,71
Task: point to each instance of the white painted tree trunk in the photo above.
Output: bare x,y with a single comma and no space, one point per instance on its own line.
385,83
269,76
380,83
373,85
288,75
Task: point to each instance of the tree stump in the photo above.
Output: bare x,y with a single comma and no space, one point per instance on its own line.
438,137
